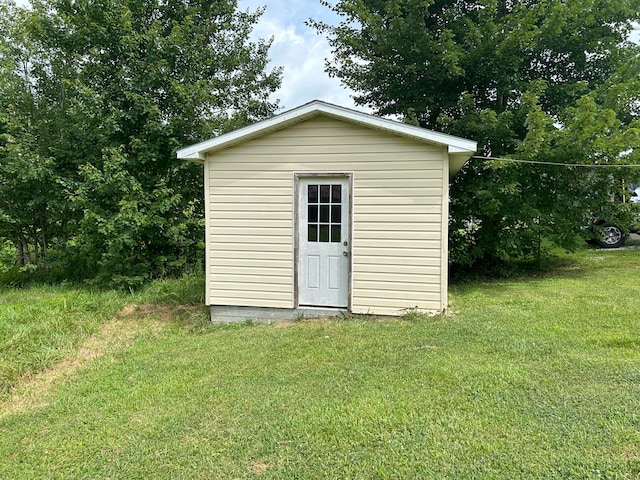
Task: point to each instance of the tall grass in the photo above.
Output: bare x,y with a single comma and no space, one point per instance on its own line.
189,290
41,325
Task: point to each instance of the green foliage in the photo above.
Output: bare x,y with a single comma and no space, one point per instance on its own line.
29,191
99,94
7,256
129,232
552,81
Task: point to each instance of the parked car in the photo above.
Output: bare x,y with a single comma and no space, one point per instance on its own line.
609,235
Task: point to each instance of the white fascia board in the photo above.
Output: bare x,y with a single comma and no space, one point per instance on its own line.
399,128
470,148
191,154
198,152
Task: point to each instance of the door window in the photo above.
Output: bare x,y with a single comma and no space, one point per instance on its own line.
324,214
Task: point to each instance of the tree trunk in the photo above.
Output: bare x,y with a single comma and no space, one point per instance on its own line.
43,247
20,254
24,256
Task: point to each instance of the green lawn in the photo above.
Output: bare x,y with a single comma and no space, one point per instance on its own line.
42,326
528,378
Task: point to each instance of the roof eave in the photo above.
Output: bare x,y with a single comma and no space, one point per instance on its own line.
198,152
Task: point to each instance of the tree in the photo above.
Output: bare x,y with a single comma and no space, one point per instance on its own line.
522,78
119,85
25,187
29,190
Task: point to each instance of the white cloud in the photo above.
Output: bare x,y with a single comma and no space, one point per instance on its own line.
299,50
635,34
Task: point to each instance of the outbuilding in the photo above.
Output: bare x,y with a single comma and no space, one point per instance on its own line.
322,210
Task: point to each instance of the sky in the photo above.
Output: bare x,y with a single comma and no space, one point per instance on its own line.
300,51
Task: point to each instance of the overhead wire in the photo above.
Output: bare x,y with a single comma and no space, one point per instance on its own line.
557,164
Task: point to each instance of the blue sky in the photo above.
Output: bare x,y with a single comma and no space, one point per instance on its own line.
299,50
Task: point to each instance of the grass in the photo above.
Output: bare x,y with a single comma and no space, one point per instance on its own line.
534,377
40,326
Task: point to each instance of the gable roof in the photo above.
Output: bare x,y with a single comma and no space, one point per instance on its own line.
459,149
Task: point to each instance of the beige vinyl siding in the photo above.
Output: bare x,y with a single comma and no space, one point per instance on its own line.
397,236
444,248
398,205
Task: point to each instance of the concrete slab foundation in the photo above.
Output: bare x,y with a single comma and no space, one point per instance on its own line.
232,314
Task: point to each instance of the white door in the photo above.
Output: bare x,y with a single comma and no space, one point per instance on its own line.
323,240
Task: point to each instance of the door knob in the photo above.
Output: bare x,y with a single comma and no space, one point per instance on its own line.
345,253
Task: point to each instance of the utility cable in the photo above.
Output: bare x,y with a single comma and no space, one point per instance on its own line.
556,164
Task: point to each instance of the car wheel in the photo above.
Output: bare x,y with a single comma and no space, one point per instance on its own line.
610,236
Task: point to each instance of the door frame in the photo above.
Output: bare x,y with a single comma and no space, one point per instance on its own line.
296,229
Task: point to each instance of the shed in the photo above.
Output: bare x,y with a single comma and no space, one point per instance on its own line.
323,209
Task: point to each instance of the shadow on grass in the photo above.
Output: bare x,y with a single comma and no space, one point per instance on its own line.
516,270
585,262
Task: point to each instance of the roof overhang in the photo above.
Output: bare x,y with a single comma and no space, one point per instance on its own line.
459,149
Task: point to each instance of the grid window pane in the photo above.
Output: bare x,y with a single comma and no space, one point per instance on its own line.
324,233
313,214
312,193
312,234
335,233
336,193
324,213
336,214
325,193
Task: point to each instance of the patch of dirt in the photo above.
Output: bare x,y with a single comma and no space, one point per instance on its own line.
115,335
371,318
160,312
426,347
631,453
260,467
183,314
